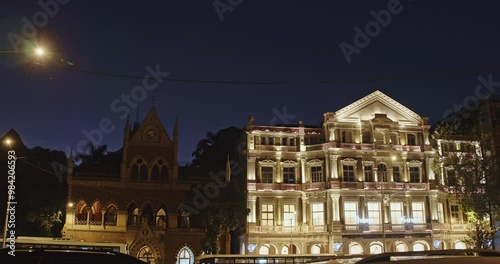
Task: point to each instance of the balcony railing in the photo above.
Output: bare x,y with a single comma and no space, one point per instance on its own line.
276,148
288,229
389,228
314,186
252,186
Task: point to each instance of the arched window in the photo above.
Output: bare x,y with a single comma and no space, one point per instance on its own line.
264,249
134,172
96,214
155,173
146,254
382,172
81,213
375,249
185,256
143,173
315,249
355,249
161,219
139,171
163,174
418,247
159,171
147,215
289,249
110,217
133,215
460,245
401,247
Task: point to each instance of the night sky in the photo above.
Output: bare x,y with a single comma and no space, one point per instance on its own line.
258,41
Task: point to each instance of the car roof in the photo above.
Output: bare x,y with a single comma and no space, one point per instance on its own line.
68,255
436,256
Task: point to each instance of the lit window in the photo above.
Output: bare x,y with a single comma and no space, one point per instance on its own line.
396,174
289,215
455,214
382,173
267,215
374,212
414,174
368,174
348,171
418,213
145,254
316,174
397,216
266,174
289,175
440,213
318,214
185,256
350,212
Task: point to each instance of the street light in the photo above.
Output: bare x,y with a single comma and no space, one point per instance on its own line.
39,51
71,205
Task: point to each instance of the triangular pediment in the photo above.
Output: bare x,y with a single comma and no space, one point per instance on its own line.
151,130
376,105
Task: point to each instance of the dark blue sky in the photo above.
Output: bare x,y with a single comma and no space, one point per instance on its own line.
257,41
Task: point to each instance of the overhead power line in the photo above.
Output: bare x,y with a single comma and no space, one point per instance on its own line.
320,82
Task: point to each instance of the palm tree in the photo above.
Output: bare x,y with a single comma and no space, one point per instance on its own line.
92,154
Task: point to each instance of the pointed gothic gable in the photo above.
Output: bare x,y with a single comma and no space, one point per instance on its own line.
377,102
151,130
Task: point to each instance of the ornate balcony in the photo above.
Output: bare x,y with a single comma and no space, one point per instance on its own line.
287,230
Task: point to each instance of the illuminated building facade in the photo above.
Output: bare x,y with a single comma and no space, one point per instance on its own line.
362,183
136,199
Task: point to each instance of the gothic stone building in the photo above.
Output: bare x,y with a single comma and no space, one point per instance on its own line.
362,183
138,203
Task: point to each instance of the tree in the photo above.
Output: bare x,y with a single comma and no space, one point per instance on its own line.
92,154
471,172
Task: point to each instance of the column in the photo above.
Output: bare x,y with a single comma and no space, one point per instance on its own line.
405,170
433,204
327,166
252,217
375,174
335,207
103,214
88,216
391,174
304,208
251,169
334,167
279,211
278,174
304,176
429,164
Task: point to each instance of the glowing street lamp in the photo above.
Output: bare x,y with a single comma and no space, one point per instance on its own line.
39,51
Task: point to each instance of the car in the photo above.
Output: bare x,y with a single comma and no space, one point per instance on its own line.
455,256
64,256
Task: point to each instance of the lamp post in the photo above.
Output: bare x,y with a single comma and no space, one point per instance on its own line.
72,206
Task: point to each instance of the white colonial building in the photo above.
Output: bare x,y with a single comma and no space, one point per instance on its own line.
364,182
